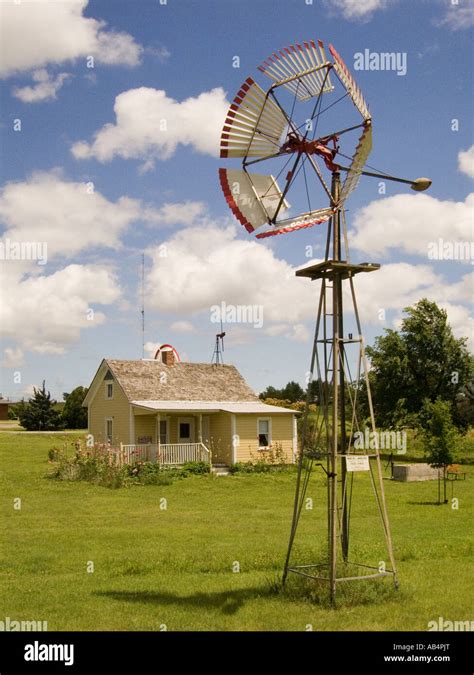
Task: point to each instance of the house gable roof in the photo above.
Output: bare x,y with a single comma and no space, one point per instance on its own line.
149,380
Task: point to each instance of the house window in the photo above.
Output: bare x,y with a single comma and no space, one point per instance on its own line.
109,390
264,433
185,429
109,429
163,431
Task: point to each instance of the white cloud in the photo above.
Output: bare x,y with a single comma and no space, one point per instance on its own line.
69,219
183,327
64,214
410,223
151,348
46,313
399,285
37,33
13,357
71,216
208,264
46,88
298,332
149,125
466,161
458,17
175,213
357,9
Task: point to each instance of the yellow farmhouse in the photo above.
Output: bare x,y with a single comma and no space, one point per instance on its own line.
186,411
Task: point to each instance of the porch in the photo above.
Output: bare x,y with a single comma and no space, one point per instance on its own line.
174,437
164,454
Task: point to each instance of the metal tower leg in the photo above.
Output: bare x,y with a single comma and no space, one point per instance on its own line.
330,339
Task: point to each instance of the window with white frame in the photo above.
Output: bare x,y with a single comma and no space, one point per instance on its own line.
264,430
109,429
109,390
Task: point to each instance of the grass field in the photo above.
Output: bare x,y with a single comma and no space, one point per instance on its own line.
173,567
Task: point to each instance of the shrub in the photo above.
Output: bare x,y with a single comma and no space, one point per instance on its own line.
54,454
96,465
198,468
273,459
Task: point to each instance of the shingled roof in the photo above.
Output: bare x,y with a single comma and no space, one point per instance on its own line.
143,380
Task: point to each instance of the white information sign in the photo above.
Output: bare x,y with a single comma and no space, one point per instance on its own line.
357,463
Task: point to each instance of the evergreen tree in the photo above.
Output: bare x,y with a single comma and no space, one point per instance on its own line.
39,413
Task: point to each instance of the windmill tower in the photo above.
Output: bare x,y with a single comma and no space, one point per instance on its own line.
288,129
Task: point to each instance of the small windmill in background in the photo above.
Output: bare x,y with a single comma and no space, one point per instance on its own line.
218,354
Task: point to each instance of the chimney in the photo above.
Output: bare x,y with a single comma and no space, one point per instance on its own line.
167,357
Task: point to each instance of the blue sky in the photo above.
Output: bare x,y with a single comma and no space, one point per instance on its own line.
101,189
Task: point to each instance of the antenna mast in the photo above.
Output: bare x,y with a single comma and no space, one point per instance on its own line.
142,312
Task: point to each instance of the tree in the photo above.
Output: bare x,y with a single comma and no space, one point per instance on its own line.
271,392
291,392
421,361
39,413
73,414
440,436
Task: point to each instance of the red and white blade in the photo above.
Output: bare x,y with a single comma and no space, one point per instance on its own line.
254,125
299,223
349,83
358,161
252,197
299,63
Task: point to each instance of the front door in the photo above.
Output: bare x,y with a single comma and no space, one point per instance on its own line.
186,430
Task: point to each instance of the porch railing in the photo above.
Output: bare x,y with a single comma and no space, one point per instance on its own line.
165,454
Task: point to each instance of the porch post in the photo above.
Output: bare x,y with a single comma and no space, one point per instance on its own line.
132,426
158,439
200,428
295,439
235,440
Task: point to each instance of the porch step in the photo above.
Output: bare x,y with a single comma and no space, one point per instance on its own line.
220,470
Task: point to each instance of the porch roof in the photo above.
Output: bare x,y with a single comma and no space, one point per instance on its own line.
245,407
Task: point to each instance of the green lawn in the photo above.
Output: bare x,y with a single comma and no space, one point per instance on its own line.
173,567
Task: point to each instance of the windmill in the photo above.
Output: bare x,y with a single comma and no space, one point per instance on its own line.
218,354
313,121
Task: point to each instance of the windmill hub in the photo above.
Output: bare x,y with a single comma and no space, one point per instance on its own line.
296,143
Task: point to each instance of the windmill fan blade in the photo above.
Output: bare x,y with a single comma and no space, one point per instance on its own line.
350,84
254,124
299,62
299,223
358,160
252,197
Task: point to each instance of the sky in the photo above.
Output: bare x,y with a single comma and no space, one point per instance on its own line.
110,120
